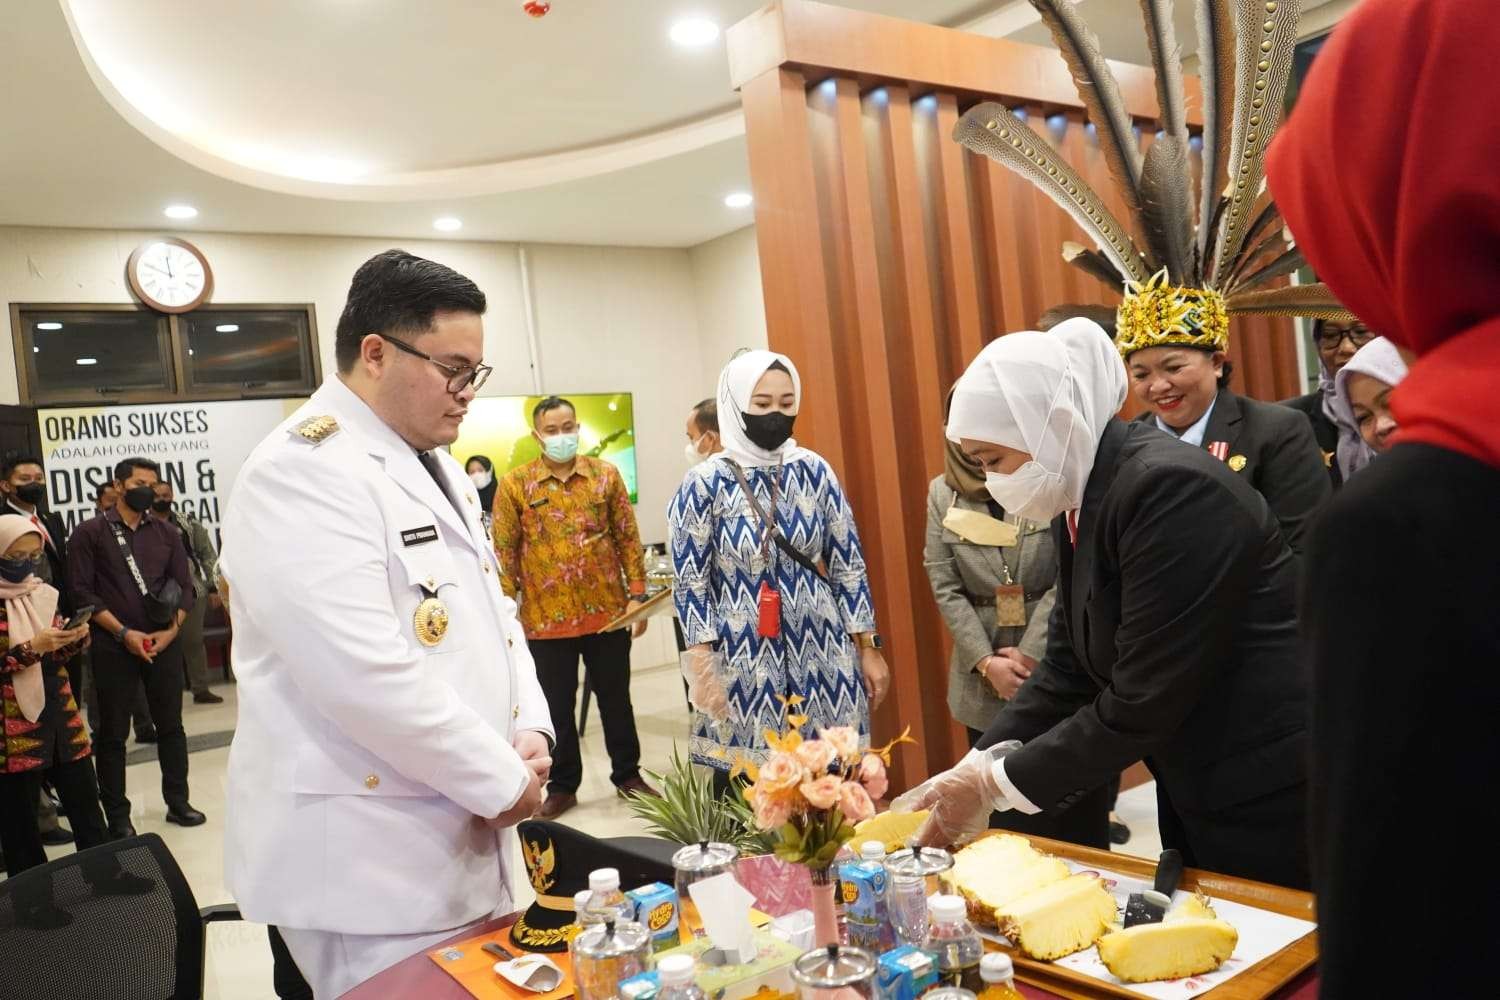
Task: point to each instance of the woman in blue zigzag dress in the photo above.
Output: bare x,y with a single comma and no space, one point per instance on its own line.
820,643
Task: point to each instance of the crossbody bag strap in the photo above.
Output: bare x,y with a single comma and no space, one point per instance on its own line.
770,524
135,570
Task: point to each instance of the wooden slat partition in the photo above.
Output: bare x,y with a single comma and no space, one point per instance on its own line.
890,256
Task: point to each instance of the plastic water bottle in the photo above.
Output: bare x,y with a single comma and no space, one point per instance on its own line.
583,918
605,898
676,973
954,942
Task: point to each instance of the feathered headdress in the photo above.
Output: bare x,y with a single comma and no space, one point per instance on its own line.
1188,275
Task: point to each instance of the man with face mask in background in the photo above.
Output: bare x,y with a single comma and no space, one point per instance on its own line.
570,553
203,559
703,441
112,559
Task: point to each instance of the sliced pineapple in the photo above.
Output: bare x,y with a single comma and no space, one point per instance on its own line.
992,871
890,828
1190,941
1058,919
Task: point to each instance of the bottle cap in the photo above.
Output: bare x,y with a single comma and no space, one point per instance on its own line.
872,850
581,900
996,967
676,970
948,909
604,879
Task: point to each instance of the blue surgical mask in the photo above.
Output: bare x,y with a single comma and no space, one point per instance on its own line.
560,447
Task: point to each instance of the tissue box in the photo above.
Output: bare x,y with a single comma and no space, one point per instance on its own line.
905,973
771,970
656,909
646,986
863,886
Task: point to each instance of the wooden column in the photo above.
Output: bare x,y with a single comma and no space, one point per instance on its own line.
890,255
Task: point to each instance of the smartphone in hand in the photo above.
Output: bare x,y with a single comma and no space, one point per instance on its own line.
81,618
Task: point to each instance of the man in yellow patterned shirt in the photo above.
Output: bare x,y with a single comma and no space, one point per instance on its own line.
570,554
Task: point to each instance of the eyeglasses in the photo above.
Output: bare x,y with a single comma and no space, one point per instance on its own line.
460,377
1358,335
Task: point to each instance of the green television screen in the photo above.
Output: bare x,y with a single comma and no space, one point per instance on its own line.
499,427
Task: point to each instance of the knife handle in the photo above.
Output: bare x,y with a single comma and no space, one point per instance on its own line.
1168,872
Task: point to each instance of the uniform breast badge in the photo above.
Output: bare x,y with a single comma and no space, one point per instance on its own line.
1237,462
430,621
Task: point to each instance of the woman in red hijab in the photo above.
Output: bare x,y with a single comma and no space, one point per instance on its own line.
1401,609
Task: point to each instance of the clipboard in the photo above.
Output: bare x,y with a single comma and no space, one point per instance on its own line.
653,605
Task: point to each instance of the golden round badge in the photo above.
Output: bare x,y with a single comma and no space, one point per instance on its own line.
430,621
1237,462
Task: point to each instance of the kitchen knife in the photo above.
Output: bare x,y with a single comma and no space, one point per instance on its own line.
1151,906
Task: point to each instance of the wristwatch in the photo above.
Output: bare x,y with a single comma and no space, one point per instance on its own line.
868,640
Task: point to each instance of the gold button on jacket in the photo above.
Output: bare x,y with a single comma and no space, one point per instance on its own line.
372,781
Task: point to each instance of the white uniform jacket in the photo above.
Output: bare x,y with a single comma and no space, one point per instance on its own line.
362,759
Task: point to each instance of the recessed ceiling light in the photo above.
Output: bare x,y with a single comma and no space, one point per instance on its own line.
87,361
227,328
36,350
692,32
49,326
739,199
180,212
447,224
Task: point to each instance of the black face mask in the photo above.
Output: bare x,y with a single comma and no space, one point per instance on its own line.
32,493
16,570
768,431
139,498
161,506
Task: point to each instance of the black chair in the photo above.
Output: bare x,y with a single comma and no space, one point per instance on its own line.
147,946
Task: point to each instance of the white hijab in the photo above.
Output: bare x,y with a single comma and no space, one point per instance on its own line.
1048,394
736,386
1378,359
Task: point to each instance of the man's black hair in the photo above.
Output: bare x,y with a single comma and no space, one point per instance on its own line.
129,465
398,293
548,405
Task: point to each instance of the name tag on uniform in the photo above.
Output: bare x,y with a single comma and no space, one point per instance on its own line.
419,536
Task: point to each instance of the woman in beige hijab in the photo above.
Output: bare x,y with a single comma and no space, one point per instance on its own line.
44,732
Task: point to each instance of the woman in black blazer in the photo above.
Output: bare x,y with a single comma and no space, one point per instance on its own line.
1184,386
1173,638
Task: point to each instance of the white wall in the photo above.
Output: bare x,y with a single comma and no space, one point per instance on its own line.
731,311
656,323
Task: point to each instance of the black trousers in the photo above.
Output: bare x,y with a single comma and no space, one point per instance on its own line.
21,839
606,658
117,675
140,712
1085,822
1263,839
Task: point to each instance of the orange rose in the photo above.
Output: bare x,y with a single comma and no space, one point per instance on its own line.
822,793
845,740
815,756
779,778
771,814
854,802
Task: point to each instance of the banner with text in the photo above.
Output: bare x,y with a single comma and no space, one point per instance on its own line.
199,446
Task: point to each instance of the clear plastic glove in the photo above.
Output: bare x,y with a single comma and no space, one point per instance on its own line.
702,668
959,800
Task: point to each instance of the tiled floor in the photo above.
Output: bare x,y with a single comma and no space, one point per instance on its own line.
239,960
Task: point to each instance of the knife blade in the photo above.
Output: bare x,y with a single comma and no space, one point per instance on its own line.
1151,906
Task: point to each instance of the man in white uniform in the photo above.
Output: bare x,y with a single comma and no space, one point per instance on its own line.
391,728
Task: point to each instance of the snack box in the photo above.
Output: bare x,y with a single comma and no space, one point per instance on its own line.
863,885
657,909
905,973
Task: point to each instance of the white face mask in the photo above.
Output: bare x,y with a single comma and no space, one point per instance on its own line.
1030,492
482,479
691,452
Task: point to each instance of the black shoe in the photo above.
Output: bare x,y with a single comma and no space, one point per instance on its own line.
149,736
206,697
185,815
124,884
123,830
45,918
57,836
1119,833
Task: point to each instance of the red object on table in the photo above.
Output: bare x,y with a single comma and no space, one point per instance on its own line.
536,8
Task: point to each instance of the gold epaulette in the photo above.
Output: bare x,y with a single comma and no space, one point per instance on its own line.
317,429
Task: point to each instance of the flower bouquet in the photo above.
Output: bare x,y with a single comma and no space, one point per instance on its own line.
808,796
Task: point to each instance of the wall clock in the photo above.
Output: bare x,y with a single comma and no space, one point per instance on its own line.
170,275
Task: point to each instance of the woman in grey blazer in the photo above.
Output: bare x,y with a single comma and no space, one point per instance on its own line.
990,661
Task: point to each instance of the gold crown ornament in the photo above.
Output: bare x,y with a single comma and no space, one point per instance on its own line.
1188,262
1156,313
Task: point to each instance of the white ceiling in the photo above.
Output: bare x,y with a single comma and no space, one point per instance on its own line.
373,117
